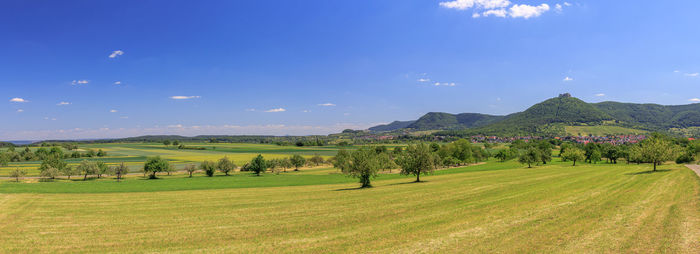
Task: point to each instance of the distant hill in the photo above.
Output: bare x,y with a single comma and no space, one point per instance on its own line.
395,125
552,116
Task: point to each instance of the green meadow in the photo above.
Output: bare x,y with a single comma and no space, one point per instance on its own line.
491,207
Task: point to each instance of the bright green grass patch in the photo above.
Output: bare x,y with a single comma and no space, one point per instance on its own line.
200,182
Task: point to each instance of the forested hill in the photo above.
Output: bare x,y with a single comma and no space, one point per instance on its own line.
550,117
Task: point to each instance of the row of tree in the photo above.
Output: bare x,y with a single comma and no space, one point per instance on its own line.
42,153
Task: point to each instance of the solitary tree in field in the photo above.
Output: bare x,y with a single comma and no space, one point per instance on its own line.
656,150
285,164
67,171
530,156
17,173
316,159
573,154
417,160
258,165
297,161
341,159
191,168
120,170
154,165
102,169
225,165
50,173
86,168
166,142
363,164
208,167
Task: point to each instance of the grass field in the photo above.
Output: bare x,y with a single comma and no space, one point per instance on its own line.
601,130
134,154
494,207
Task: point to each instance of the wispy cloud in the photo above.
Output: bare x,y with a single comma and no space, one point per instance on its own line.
124,117
306,111
79,82
695,100
20,100
567,79
423,80
118,83
20,110
327,104
501,8
180,97
274,110
444,84
250,109
63,103
113,111
695,74
600,95
116,53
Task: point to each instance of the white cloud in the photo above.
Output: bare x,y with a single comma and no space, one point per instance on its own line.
483,4
501,8
250,109
79,82
20,100
327,104
306,111
124,117
113,111
676,71
118,83
274,110
567,4
600,95
179,97
695,100
63,103
527,11
566,79
423,80
116,53
20,110
692,74
444,84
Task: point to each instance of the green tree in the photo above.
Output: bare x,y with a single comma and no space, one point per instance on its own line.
209,167
656,150
50,173
120,170
166,142
86,168
53,161
102,168
363,164
190,169
573,154
297,161
225,165
258,165
17,173
530,156
545,151
341,159
417,160
154,165
101,153
318,160
595,156
67,171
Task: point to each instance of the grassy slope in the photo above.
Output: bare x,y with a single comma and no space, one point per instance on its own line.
601,130
554,208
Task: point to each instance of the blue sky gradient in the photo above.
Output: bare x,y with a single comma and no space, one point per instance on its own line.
217,67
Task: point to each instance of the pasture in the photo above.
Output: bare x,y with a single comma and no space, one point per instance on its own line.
492,207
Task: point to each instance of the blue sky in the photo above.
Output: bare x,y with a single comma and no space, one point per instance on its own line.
96,69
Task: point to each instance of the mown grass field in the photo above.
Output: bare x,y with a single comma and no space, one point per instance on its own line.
494,207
